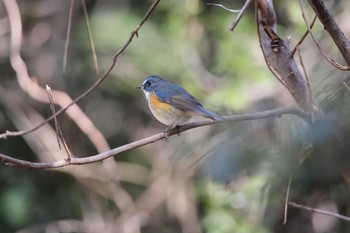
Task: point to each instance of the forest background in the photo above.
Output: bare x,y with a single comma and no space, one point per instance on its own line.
247,175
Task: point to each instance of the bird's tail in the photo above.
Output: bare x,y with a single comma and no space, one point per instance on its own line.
211,115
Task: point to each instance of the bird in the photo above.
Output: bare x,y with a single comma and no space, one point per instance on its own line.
171,104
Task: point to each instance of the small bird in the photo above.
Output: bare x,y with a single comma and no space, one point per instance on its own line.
171,104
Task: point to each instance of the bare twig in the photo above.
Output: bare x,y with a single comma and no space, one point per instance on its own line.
304,36
35,91
53,111
97,83
59,132
133,145
239,16
346,86
69,28
331,26
287,199
223,7
92,44
309,97
323,53
314,210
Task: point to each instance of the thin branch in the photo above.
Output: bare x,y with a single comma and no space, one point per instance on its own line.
69,28
58,129
304,36
157,137
287,200
223,7
310,98
331,26
92,44
318,211
35,91
97,83
239,16
323,53
53,111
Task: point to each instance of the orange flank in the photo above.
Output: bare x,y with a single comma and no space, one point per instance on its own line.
158,105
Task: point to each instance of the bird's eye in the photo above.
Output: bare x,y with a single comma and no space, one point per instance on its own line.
148,83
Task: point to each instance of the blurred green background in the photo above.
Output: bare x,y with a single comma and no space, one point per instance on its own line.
212,179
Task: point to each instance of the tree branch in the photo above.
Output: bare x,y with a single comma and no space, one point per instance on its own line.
314,210
97,83
157,137
278,55
332,28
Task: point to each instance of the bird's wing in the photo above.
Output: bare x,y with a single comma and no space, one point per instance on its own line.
178,98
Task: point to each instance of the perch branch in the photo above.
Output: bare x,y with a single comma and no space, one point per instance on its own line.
157,137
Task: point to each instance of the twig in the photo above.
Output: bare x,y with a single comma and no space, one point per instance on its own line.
287,200
304,36
314,210
239,16
93,86
222,6
66,44
323,53
346,86
53,111
35,91
331,26
59,132
136,144
92,44
309,97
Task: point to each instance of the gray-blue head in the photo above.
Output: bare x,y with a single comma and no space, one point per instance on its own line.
152,82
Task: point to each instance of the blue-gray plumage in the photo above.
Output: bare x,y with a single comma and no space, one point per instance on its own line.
171,104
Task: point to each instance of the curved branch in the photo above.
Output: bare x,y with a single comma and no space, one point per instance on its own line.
157,137
331,26
97,83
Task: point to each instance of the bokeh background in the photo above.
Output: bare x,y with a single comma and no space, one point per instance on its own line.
216,179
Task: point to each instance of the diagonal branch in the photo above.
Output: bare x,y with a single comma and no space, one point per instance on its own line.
323,53
97,83
157,137
318,211
331,26
277,54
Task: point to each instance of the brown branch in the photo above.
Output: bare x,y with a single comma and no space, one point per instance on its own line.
59,133
66,43
239,16
287,200
157,137
277,54
92,44
35,91
304,36
323,53
331,26
97,83
318,211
